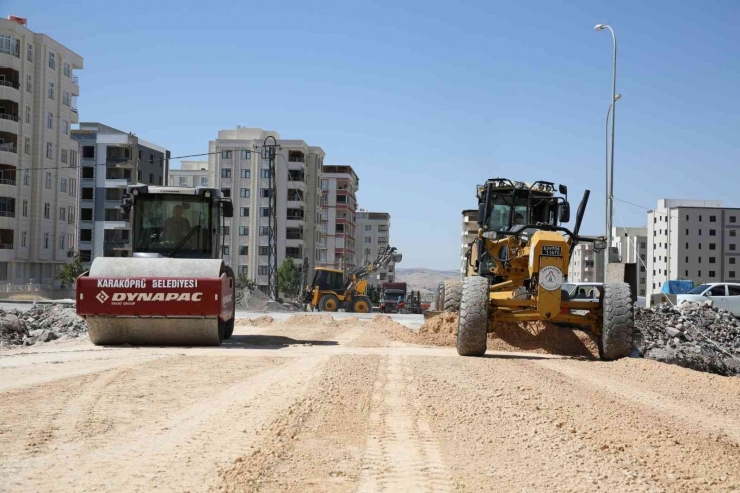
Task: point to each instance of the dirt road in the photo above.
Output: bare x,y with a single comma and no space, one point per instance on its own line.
319,405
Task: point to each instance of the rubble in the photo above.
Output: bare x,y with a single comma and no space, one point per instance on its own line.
692,335
257,301
41,323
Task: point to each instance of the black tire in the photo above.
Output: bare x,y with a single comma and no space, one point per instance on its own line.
359,302
440,301
472,325
229,325
329,303
453,293
619,322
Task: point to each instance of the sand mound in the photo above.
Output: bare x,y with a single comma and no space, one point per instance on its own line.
263,321
351,320
444,323
310,320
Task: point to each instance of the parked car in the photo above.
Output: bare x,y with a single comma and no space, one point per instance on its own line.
724,295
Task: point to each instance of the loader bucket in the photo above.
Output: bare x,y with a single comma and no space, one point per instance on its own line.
397,257
155,301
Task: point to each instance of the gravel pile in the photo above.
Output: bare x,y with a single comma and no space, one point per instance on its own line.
692,335
257,301
42,323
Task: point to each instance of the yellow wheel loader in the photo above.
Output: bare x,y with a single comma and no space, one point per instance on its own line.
329,291
517,266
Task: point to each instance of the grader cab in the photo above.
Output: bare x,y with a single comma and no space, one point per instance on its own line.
518,264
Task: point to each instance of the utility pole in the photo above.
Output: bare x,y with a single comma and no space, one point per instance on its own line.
268,152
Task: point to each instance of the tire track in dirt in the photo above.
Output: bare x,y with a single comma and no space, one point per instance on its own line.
401,451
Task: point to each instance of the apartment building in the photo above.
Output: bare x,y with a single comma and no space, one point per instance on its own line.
374,232
692,239
190,174
631,246
339,186
38,192
469,234
586,264
242,173
110,160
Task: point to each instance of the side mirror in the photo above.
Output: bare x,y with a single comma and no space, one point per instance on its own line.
564,211
227,208
563,190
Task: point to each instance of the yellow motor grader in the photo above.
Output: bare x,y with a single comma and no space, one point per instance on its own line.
517,266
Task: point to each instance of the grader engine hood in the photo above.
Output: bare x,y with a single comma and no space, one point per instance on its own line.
548,265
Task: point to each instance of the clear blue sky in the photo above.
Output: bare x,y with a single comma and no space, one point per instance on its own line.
426,99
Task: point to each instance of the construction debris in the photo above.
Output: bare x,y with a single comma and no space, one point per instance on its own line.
692,335
41,323
257,301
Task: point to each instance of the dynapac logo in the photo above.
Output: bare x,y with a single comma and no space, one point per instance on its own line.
134,297
102,297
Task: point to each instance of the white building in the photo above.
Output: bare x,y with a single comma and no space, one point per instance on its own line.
631,244
110,160
692,239
469,234
339,186
190,174
373,233
38,174
586,265
239,170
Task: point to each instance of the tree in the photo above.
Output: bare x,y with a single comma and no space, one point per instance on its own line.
288,279
69,273
243,281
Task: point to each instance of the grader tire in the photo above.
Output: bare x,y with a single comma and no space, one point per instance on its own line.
619,322
440,300
329,303
453,292
472,325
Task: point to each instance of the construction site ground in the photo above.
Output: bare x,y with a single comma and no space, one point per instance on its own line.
317,404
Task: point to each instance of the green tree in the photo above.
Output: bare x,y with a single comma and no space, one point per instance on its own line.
288,279
69,273
243,281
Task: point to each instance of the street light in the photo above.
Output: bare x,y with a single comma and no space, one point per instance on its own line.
606,165
610,176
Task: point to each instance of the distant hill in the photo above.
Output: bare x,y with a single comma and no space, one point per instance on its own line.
425,280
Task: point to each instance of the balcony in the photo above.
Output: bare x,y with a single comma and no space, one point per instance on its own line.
8,123
75,115
7,213
10,90
10,61
9,148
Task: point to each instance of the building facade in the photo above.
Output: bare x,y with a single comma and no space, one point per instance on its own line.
38,174
586,264
631,245
110,160
373,234
239,170
469,234
190,174
692,239
339,186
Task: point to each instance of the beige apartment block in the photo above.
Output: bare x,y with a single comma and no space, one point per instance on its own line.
38,159
469,234
692,239
339,186
191,174
373,234
586,264
631,244
237,167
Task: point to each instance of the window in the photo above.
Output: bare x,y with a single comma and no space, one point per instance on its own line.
49,152
712,219
51,90
732,260
643,245
733,219
203,181
687,245
46,240
264,250
243,250
642,257
712,232
25,208
73,187
65,127
24,237
368,227
225,154
642,292
27,177
48,180
225,249
714,274
244,193
151,178
265,173
698,272
27,145
246,154
712,246
687,273
368,239
65,98
88,152
243,270
642,268
733,232
49,120
86,235
699,218
151,158
64,156
29,55
86,214
264,230
699,246
87,194
262,270
264,192
61,241
47,210
73,157
264,212
687,231
243,230
699,232
225,172
687,217
28,114
29,83
732,246
53,60
71,217
63,185
226,192
655,220
245,173
699,259
687,259
244,211
183,181
712,260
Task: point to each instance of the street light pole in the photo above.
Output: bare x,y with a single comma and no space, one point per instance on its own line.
610,177
606,152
